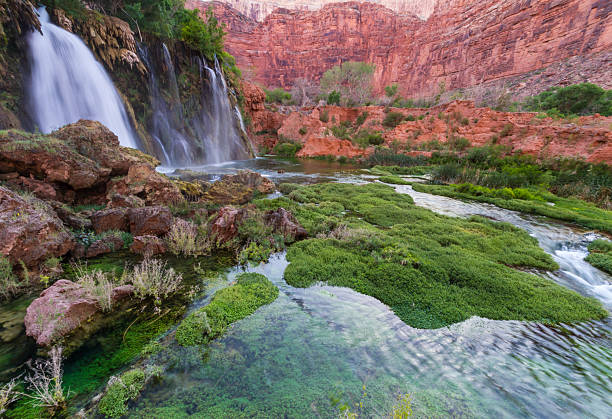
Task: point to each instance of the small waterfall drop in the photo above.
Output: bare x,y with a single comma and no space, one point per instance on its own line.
209,136
67,84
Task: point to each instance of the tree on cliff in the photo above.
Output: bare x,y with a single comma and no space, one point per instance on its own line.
353,80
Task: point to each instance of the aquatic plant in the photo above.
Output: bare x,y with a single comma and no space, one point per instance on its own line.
151,278
600,255
182,239
227,306
430,269
119,391
45,381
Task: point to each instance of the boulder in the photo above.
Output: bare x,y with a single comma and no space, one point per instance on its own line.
150,221
63,309
123,201
103,246
285,223
75,221
110,219
225,226
30,231
148,246
239,188
143,181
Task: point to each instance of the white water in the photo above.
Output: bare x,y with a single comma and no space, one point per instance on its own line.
68,84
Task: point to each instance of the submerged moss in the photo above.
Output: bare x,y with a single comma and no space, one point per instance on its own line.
227,306
432,270
127,387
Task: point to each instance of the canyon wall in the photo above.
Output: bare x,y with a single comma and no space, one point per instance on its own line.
463,43
260,9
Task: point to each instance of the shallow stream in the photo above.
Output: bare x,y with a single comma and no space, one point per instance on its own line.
311,346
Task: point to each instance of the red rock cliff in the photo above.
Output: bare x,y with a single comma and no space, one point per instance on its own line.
462,44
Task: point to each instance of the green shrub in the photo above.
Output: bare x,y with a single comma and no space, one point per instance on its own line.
391,90
460,143
410,117
361,119
227,306
119,391
577,99
287,149
393,180
303,131
392,119
333,98
278,95
366,137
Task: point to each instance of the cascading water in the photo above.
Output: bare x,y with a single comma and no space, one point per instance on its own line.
68,84
210,136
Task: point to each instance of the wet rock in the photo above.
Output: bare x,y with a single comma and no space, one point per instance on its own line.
150,221
239,188
285,223
110,219
148,246
30,231
65,308
225,226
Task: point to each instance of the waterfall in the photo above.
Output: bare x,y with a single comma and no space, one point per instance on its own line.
67,84
211,135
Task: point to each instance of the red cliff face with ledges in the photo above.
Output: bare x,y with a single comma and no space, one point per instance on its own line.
462,44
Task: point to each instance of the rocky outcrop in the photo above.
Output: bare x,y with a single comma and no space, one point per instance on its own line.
83,157
329,146
239,188
66,309
30,231
110,219
460,45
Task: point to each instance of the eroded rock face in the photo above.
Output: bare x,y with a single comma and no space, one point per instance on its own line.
239,188
150,221
63,309
30,231
461,44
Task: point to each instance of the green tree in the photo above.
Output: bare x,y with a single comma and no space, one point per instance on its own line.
391,90
333,98
353,80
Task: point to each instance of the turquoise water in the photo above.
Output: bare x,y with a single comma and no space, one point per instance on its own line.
312,347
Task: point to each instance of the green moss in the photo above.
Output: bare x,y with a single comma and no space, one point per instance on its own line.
227,306
565,209
600,255
127,387
430,269
393,180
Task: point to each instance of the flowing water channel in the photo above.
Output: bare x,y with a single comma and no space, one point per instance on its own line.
311,346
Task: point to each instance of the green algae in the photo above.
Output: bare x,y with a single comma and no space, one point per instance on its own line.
227,306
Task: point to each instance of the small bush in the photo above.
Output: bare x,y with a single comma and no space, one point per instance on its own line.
460,143
410,117
333,98
151,278
97,283
303,131
8,395
182,239
506,130
392,119
361,119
